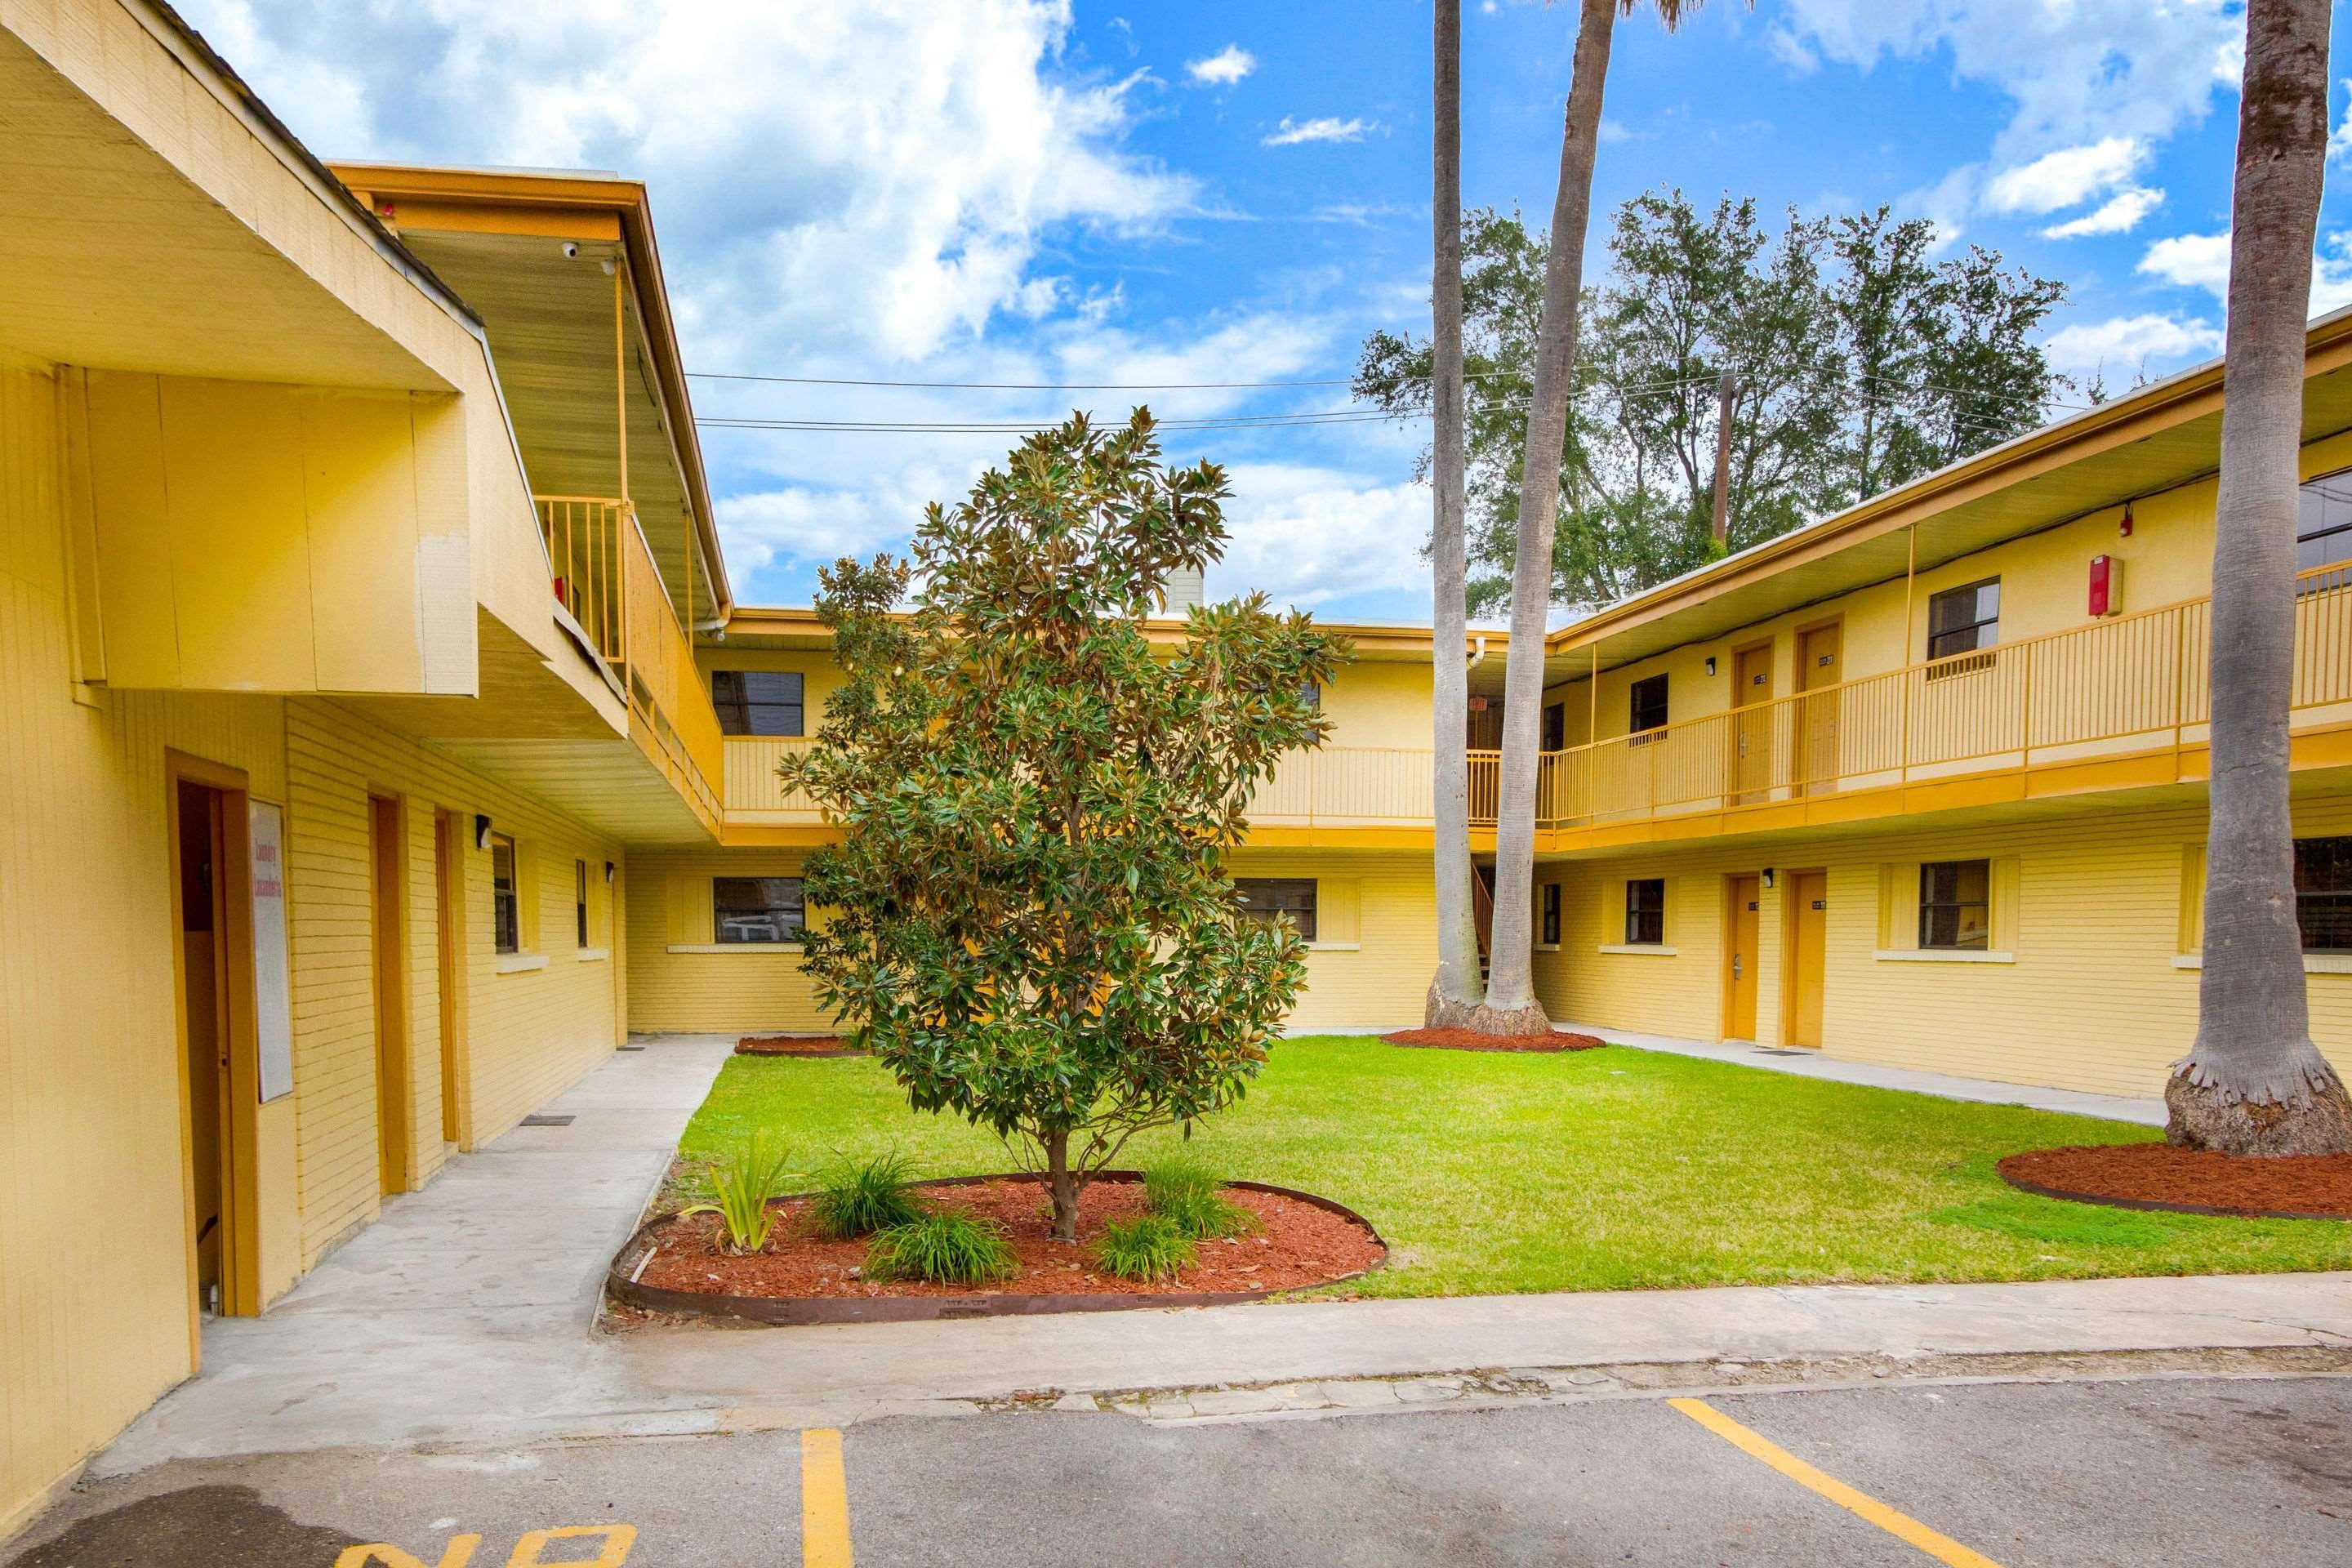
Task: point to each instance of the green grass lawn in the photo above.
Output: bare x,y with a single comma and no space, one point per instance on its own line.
1597,1170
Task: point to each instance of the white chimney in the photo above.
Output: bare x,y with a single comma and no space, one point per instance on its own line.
1183,591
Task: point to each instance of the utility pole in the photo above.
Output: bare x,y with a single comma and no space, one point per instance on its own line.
1725,388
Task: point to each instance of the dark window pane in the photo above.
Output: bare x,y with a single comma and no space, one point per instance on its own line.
2323,893
1550,937
579,900
1645,911
1962,619
1956,904
506,935
2322,532
757,702
1264,898
1555,727
1649,704
756,908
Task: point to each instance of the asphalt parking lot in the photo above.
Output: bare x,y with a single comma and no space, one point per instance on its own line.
2184,1470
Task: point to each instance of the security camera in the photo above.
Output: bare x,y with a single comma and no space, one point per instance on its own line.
570,251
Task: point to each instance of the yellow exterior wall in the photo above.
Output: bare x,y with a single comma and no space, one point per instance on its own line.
751,988
95,1319
1376,935
2089,906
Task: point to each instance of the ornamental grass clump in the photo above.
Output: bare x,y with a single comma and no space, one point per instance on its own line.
860,1197
744,1180
1030,918
1189,1195
1147,1246
945,1247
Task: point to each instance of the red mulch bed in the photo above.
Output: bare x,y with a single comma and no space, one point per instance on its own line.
797,1046
2194,1181
1297,1245
1471,1040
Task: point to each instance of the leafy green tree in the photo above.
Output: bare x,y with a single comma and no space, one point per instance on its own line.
1863,363
1027,915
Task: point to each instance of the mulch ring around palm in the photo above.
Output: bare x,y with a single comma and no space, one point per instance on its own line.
1471,1041
797,1046
1295,1240
2188,1181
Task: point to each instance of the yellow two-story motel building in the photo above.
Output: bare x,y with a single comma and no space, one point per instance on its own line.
381,742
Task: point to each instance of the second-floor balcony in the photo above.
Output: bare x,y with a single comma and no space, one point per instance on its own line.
2120,703
606,580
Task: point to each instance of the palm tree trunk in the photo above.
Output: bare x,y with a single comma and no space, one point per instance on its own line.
1457,987
2253,1083
1511,1006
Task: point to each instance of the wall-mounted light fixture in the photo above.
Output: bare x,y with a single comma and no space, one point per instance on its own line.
1767,875
2124,527
481,831
608,871
1710,664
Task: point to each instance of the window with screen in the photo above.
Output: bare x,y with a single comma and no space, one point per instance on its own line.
746,909
1962,620
579,901
2323,893
506,896
757,702
1956,905
2323,530
1548,915
1645,911
1265,897
1649,704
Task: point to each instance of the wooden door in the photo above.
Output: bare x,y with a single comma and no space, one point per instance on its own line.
206,1034
449,937
1820,663
386,882
1751,724
1746,895
1807,928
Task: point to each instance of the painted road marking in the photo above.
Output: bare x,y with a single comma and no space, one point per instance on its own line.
617,1540
1902,1526
825,1500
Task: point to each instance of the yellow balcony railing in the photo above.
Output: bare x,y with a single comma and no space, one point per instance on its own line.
2129,686
605,577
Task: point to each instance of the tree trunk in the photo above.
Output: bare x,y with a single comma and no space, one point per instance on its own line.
2253,1083
1457,989
1063,1184
1510,1008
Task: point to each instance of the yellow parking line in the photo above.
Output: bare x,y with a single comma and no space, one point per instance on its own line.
825,1500
1902,1526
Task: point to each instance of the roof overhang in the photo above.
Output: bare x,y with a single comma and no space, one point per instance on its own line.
498,236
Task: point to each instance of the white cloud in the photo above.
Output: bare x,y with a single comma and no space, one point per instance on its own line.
2191,261
2119,214
2066,177
2075,72
893,197
1328,129
1223,68
1307,534
2124,345
2340,145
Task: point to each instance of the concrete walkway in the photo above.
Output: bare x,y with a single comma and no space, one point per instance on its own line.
1812,1063
463,1317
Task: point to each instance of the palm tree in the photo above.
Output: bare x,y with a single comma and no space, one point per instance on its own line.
2253,1083
1458,987
1510,1008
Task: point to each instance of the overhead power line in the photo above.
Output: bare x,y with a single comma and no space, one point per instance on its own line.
1048,386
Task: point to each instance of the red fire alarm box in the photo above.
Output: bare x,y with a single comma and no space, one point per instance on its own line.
2107,586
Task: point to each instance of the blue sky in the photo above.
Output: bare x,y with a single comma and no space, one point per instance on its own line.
1019,191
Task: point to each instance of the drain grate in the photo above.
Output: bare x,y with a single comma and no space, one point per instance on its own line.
1781,1051
547,1122
628,1048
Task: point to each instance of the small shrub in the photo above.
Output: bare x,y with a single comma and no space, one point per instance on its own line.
858,1199
1188,1195
741,1180
946,1246
1148,1246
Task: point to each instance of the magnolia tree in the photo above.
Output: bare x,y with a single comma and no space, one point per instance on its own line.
1027,914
